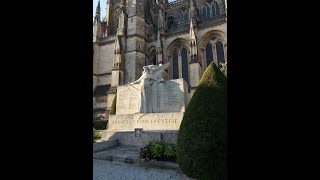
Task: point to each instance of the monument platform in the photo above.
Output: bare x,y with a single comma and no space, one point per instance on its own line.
131,155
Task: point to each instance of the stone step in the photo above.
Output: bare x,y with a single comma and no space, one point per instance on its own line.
104,145
131,155
119,154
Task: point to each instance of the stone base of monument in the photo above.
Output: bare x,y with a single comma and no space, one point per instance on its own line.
129,138
139,129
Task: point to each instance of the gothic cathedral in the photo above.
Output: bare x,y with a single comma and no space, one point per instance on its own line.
189,34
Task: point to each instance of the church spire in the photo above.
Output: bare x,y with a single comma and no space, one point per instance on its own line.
98,10
193,40
97,24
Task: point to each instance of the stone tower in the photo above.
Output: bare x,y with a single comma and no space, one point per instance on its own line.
135,53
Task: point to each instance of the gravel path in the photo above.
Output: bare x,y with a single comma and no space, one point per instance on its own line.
104,170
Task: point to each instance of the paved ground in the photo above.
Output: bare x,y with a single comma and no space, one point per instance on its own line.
105,170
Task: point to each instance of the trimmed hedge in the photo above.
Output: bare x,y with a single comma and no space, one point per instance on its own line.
201,143
100,124
113,106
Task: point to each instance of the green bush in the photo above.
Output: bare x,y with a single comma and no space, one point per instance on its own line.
201,143
100,124
113,106
96,134
170,150
145,152
158,150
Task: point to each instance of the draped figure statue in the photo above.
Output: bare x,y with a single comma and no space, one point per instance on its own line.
151,74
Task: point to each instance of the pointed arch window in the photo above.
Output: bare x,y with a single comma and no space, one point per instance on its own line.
186,19
220,53
209,54
175,66
185,70
213,9
153,58
181,16
216,9
205,11
181,21
154,61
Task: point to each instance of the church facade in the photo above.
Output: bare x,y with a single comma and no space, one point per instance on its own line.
189,34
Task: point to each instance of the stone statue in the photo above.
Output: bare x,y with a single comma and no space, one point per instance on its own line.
150,75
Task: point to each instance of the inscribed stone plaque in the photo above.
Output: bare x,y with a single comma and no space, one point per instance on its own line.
147,121
128,99
167,96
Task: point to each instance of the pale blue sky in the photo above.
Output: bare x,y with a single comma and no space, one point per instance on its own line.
102,7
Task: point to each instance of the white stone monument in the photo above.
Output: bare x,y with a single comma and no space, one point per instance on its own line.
149,103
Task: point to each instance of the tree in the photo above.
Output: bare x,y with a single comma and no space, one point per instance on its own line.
201,143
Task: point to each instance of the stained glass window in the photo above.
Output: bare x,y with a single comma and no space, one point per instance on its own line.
217,8
213,8
175,65
209,53
220,53
185,71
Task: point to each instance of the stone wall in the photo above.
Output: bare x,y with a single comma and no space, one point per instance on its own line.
106,58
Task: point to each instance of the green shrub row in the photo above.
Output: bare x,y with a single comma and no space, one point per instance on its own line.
159,150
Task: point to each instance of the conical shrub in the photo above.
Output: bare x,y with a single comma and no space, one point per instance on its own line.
201,143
